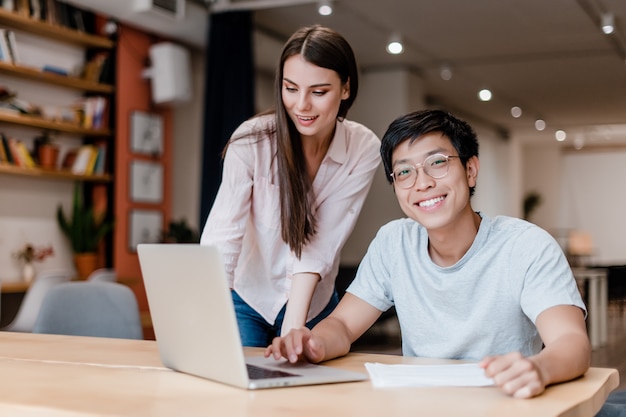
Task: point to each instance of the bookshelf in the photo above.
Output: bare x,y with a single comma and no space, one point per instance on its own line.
16,21
44,105
61,33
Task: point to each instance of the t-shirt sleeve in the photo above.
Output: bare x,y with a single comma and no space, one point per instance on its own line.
549,280
372,281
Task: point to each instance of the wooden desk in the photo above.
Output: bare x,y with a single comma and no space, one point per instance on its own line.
48,375
595,280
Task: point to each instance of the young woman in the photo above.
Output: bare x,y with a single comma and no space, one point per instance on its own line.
294,182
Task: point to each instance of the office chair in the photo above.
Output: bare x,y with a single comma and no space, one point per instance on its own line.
90,308
103,274
29,308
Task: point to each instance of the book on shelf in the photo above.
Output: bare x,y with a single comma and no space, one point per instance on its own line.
8,5
12,45
50,15
15,155
55,70
5,148
93,112
3,153
100,165
93,68
25,156
20,154
22,7
82,159
86,160
35,9
5,53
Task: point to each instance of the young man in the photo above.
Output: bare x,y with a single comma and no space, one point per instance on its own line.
465,286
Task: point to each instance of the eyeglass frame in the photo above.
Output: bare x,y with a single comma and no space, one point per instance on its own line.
416,167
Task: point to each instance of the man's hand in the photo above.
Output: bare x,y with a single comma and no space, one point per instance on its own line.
515,374
298,344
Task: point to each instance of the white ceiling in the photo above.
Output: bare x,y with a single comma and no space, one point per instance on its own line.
547,56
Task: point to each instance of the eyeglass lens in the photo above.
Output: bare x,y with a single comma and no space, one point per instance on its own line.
435,166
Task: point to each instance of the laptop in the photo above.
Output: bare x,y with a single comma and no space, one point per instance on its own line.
196,328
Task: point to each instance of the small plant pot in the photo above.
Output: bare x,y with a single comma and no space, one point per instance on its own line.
85,264
48,155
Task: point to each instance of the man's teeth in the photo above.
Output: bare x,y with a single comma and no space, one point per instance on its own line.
431,202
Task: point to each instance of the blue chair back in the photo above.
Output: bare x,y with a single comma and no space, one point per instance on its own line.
90,308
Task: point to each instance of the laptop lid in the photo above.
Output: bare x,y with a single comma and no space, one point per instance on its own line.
195,324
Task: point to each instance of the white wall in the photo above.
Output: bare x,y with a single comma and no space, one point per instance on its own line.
187,145
593,200
384,94
28,204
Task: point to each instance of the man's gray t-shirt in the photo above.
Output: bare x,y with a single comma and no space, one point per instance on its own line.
485,304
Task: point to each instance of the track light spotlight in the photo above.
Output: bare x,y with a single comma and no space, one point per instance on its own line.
484,94
395,46
445,72
325,8
540,124
608,23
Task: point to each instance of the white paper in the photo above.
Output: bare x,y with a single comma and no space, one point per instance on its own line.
453,375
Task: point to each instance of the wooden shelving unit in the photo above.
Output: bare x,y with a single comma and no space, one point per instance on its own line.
37,27
71,82
62,34
40,123
52,174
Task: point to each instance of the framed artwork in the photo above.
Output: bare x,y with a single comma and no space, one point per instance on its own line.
146,182
146,133
146,226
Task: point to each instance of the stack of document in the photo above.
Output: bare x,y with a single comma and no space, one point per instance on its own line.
453,375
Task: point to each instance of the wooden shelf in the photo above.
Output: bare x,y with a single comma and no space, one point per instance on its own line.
38,122
14,287
57,32
72,82
51,174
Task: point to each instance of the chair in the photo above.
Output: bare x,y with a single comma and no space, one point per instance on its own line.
103,274
29,308
90,308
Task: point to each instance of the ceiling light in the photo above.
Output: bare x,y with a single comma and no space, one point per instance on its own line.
445,72
579,142
560,135
608,23
540,124
516,111
325,8
395,46
484,94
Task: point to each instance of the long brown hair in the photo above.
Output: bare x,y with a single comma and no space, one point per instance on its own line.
323,47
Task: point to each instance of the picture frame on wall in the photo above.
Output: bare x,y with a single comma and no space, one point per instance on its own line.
146,133
146,182
146,226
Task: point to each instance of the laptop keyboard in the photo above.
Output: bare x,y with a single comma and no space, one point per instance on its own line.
257,372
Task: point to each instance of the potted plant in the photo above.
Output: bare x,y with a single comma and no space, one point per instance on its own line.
532,200
180,232
85,232
46,151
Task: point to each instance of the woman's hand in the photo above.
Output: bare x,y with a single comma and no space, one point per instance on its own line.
299,344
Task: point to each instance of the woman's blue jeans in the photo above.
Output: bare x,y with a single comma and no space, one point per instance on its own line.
255,331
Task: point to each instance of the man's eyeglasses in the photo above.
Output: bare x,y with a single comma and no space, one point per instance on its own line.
435,166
